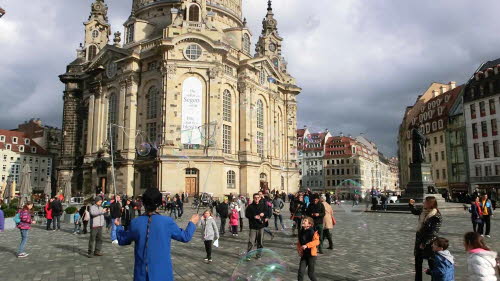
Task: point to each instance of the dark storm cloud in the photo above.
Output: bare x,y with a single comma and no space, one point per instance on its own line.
360,63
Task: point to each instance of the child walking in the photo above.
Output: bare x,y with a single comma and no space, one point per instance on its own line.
77,222
234,220
443,265
210,233
481,261
307,248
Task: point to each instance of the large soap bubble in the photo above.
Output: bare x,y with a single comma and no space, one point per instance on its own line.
260,265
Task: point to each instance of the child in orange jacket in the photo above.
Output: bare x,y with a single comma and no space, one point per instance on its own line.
307,248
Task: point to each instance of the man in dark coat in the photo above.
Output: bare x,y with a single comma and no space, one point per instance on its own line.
115,211
316,211
257,219
57,210
223,211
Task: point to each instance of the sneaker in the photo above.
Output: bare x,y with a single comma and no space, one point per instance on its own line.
205,260
248,258
236,235
98,254
115,242
22,255
209,261
488,236
482,235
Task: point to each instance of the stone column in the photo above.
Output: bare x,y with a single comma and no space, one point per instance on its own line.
90,125
121,115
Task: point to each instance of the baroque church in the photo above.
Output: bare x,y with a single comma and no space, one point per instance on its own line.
181,104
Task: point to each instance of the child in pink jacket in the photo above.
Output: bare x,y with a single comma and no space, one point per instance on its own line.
234,219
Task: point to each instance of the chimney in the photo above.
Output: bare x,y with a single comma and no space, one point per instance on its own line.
435,93
443,89
453,85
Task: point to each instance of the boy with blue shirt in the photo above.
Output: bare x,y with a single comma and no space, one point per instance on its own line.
443,265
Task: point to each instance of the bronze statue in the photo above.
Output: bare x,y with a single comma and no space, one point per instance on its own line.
420,142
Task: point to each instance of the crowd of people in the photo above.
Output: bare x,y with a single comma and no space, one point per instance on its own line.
138,220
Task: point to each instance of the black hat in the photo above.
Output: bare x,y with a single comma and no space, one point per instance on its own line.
152,198
315,196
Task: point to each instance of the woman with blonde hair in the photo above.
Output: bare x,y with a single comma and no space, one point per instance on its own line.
429,223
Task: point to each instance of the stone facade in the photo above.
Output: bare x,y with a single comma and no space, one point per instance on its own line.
183,105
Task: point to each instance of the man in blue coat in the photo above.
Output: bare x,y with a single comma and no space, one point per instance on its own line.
152,234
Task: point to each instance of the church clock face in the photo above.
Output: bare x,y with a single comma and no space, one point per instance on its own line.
111,69
272,47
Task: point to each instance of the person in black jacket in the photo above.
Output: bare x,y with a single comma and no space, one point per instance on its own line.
115,211
57,210
257,219
429,223
127,214
316,210
223,211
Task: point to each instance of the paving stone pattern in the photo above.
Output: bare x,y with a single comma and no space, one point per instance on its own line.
367,246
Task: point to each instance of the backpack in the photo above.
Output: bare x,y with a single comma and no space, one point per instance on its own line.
17,218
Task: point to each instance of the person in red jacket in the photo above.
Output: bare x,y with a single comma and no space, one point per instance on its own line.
24,226
48,213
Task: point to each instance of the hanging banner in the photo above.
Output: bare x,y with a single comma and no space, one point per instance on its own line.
192,109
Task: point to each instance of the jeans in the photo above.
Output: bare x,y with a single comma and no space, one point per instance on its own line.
319,229
49,222
24,240
234,229
78,228
113,229
276,221
487,223
85,223
57,222
241,223
180,211
307,262
255,237
222,225
173,210
95,240
328,235
208,248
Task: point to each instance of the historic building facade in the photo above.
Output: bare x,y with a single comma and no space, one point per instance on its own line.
183,104
481,100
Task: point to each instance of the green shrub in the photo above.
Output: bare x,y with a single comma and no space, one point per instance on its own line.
13,203
4,206
9,213
71,210
37,208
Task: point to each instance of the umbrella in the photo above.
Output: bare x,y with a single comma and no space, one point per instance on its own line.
12,190
25,189
2,189
48,188
67,191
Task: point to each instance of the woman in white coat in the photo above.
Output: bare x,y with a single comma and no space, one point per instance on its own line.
481,261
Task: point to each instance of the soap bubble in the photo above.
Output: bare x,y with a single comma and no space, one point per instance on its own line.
260,265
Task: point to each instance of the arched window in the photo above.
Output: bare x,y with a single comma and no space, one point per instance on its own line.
92,52
260,114
194,13
231,179
226,106
113,115
282,183
152,102
262,77
246,43
263,177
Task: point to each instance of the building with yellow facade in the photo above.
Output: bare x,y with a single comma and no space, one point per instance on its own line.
184,104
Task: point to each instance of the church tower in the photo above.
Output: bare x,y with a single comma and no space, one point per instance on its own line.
270,42
97,30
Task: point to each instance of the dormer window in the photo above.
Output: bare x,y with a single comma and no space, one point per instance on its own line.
92,52
194,13
27,141
2,138
33,150
14,139
21,148
130,33
95,34
8,146
246,43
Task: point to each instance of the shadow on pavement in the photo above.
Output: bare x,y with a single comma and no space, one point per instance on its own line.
72,249
8,250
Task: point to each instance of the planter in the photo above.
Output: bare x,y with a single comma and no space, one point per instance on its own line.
68,218
9,224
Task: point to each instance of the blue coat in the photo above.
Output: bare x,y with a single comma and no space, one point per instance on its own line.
444,269
157,255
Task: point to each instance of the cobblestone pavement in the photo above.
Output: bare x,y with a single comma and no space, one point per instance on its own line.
367,246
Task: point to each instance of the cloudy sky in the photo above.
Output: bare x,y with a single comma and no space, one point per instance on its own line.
359,62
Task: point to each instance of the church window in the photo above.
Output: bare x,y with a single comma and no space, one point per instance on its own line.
260,144
226,139
276,62
130,33
262,77
194,13
231,179
95,34
92,52
152,102
260,114
227,106
246,43
193,52
113,115
151,131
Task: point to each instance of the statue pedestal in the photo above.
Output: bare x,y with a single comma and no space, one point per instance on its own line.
420,180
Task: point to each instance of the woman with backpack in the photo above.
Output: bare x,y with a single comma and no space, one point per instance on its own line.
23,221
